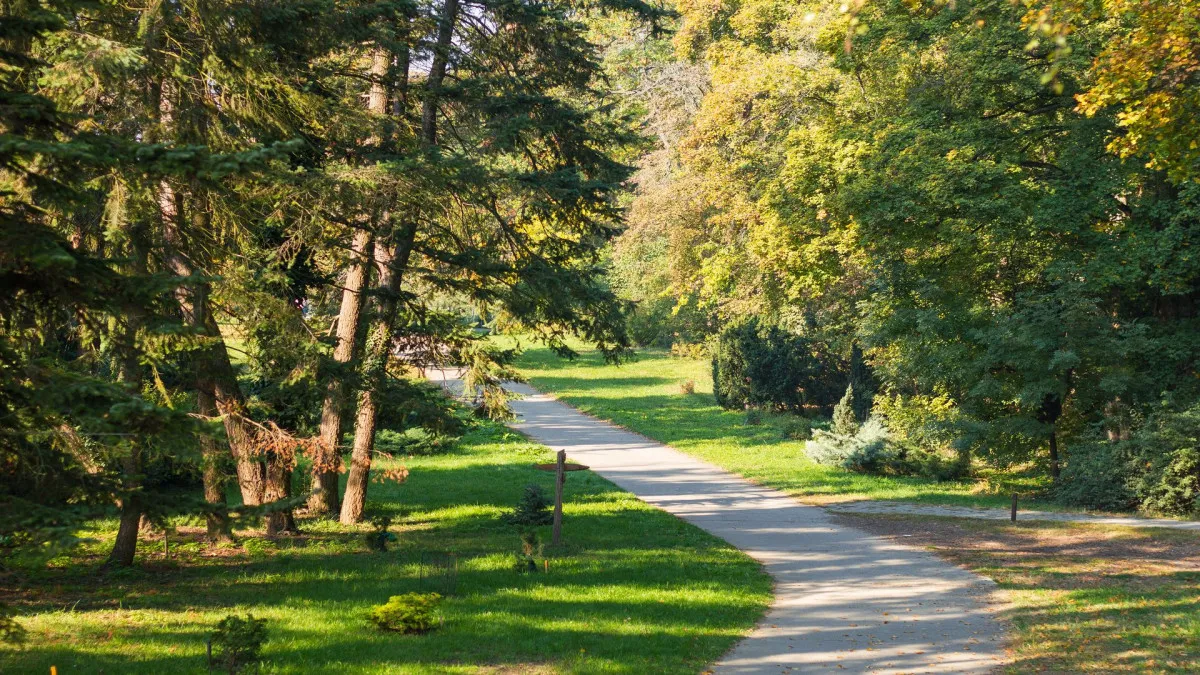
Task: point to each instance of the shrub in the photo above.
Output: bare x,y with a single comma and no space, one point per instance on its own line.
753,417
685,350
1098,475
416,441
379,538
797,429
753,366
237,642
688,388
525,563
408,613
933,465
866,449
406,404
845,421
871,449
532,510
1168,446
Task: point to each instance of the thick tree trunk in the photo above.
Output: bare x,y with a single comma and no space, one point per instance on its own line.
324,499
437,70
379,345
279,488
214,479
128,372
215,371
125,546
213,362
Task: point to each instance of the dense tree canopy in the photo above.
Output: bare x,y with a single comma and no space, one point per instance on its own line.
232,231
997,199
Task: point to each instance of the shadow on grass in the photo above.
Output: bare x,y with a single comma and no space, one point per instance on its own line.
634,590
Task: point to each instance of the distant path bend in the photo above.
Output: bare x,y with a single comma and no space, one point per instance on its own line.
845,601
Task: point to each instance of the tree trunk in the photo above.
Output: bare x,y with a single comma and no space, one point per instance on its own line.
1054,468
437,70
125,546
279,488
215,371
379,345
128,372
213,361
324,499
403,61
214,479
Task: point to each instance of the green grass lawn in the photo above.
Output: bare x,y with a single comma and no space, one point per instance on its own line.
632,590
645,396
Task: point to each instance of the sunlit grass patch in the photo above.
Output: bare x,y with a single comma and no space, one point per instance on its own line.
646,396
632,590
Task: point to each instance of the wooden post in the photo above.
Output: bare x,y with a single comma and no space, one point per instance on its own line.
559,476
1014,508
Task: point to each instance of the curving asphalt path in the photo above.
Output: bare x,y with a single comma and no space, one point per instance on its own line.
845,601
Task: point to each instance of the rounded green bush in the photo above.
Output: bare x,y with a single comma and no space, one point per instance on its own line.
408,613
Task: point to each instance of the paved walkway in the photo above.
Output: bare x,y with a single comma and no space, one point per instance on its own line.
845,601
902,508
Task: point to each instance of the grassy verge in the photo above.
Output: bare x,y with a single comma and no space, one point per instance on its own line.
1080,598
646,396
632,590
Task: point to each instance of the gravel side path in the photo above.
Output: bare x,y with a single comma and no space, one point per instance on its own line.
906,509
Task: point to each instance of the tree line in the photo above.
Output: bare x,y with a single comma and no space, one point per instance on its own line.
997,200
229,230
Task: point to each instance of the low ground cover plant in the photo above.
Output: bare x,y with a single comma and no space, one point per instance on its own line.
237,643
408,613
532,510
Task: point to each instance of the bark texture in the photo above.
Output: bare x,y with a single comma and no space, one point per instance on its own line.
324,499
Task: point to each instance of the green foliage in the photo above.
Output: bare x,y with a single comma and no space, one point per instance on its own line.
11,631
866,448
524,561
797,428
1168,446
685,350
415,442
408,405
862,382
870,448
1098,475
379,538
770,367
950,194
407,613
753,417
845,415
237,642
532,510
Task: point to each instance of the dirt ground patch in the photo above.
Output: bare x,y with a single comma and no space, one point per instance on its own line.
1079,598
1073,547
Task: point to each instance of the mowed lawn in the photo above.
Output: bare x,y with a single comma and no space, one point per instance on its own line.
645,395
632,590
